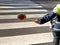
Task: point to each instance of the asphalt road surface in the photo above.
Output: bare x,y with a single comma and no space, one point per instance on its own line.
17,32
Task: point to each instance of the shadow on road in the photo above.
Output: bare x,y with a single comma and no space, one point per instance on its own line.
23,31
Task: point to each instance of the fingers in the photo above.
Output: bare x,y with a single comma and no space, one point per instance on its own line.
36,21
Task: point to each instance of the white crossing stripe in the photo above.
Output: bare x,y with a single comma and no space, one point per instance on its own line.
20,7
21,25
35,15
19,4
27,39
38,38
15,16
25,10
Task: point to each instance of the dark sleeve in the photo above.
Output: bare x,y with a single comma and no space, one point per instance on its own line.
49,16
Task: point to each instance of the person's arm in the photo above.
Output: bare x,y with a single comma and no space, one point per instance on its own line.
46,18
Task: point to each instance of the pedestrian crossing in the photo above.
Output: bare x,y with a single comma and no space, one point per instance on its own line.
23,32
27,39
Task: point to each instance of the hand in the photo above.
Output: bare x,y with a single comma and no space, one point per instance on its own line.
36,21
